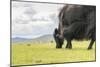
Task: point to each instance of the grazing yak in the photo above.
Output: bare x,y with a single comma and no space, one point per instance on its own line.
76,22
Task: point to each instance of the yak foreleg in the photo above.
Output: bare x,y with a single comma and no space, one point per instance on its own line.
69,44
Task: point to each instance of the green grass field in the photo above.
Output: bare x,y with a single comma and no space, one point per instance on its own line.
23,54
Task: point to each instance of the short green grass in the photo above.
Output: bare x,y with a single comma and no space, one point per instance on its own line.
23,54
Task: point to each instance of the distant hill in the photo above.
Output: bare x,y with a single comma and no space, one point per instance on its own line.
18,39
44,38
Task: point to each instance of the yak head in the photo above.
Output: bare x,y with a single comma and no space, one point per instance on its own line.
58,39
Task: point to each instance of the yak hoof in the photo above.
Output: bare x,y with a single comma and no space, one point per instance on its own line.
58,47
89,48
68,47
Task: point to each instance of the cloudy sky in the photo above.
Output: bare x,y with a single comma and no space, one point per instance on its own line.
31,20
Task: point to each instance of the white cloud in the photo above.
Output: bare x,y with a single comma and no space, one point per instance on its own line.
31,20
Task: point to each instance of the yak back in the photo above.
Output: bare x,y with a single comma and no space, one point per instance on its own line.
71,13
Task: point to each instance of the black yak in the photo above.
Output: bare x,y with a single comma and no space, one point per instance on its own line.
76,22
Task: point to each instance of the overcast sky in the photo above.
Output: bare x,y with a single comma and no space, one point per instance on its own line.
30,20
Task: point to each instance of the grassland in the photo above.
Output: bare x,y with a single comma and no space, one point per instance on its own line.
43,53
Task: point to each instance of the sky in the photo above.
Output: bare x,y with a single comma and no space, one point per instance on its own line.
31,20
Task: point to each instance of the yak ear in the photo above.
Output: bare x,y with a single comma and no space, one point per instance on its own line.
56,31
